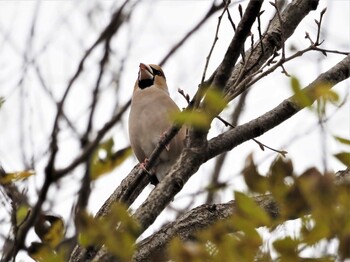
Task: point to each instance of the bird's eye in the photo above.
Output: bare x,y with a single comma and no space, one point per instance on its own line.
157,72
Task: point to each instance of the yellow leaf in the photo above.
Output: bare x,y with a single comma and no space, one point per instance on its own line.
248,209
255,181
287,247
196,119
117,232
104,160
50,230
214,101
22,213
323,91
300,96
15,176
315,234
342,140
41,252
344,157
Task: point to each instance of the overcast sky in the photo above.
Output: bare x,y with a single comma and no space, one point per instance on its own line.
63,30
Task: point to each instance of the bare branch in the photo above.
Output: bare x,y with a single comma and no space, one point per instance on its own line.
291,17
90,147
243,30
276,116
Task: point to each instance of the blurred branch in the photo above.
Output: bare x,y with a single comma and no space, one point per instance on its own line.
85,189
188,163
91,146
189,223
50,173
192,158
17,199
27,55
110,30
51,96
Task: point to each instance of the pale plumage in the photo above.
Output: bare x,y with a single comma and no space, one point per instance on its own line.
149,119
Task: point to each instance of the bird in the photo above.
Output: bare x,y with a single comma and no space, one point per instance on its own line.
149,119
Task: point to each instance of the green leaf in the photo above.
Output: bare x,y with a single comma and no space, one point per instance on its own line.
188,251
318,232
324,91
300,96
214,101
41,252
117,232
279,170
196,119
15,176
250,210
22,213
287,247
248,227
50,229
344,157
104,160
255,181
342,140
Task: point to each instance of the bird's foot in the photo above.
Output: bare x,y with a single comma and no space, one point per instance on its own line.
152,177
143,165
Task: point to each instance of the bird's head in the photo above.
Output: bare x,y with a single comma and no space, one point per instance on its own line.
150,75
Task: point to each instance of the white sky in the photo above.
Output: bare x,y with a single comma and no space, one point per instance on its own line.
62,34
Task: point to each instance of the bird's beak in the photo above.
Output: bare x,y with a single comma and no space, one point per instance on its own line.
145,72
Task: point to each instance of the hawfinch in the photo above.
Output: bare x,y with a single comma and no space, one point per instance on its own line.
149,119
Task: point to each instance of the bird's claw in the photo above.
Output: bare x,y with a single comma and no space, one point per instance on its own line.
152,177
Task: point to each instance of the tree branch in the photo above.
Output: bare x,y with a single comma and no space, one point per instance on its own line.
234,50
204,216
289,107
271,41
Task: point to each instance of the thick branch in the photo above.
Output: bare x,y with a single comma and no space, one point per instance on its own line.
191,159
204,216
272,39
256,127
234,50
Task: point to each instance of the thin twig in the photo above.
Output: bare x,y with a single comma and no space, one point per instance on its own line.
202,87
91,146
261,145
275,5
